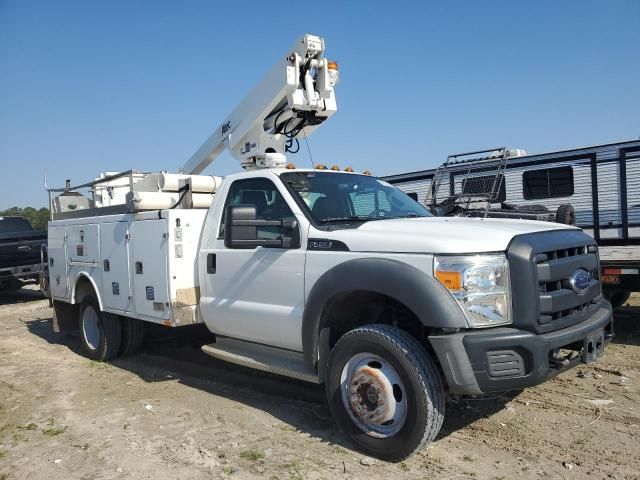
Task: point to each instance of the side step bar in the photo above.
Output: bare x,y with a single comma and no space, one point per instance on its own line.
261,357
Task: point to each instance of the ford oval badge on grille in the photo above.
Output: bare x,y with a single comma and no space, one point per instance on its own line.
580,280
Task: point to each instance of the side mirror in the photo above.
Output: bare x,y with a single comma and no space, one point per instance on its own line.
241,229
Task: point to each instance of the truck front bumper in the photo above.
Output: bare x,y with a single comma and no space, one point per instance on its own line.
500,359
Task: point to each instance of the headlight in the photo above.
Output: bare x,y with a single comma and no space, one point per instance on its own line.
480,284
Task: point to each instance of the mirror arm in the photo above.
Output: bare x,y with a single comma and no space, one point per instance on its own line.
287,223
256,223
276,242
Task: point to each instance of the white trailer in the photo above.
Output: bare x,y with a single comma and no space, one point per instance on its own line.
325,275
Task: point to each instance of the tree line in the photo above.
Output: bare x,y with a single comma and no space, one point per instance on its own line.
37,217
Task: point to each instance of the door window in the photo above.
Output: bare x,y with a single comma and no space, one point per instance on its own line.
265,196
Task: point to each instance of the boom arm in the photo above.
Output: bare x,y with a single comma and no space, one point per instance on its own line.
297,95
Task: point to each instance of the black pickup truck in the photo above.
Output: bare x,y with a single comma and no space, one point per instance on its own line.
19,252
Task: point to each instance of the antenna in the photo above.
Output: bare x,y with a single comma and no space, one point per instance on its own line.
308,149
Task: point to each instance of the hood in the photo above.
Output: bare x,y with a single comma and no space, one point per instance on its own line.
437,234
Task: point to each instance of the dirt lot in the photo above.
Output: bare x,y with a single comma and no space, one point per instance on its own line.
173,413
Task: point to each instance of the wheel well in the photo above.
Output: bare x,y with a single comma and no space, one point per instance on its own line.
84,287
350,310
354,309
66,314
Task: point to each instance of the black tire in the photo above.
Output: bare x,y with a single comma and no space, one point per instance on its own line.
12,285
423,387
132,335
101,343
566,214
617,297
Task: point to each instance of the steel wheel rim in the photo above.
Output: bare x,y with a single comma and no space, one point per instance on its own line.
91,327
373,395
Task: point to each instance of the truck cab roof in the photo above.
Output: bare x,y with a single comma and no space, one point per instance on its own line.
12,224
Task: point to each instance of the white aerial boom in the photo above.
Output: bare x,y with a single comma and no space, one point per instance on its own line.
296,96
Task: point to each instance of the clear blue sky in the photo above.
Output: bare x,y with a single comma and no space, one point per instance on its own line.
88,86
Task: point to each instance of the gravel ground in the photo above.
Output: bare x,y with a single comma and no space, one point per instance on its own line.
171,412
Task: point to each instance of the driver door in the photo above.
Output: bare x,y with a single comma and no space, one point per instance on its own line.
256,294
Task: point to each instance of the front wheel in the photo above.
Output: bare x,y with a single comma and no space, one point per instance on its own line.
617,297
385,391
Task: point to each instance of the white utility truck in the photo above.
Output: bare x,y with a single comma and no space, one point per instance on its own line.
323,275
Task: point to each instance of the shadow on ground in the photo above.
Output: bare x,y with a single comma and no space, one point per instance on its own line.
20,296
170,354
626,324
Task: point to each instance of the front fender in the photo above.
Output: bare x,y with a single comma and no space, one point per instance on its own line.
427,298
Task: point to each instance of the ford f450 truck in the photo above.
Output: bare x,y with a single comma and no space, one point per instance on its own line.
327,276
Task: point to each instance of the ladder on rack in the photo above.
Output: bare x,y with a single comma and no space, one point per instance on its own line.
479,173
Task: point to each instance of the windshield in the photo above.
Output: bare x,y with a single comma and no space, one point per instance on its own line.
342,197
14,224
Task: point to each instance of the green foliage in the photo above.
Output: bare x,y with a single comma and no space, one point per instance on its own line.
53,431
253,455
28,426
37,218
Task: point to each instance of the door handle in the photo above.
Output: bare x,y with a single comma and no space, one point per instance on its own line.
211,263
24,248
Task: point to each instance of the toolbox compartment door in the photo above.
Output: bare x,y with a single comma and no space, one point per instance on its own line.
149,240
58,275
83,247
114,250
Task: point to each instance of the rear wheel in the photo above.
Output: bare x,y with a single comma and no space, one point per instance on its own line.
385,391
132,335
100,332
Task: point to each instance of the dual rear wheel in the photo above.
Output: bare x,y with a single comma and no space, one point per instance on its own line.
105,336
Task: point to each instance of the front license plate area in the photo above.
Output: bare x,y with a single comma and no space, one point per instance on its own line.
593,346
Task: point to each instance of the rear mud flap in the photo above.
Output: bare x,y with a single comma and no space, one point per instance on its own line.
65,317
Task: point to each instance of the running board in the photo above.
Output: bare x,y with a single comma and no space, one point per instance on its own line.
261,357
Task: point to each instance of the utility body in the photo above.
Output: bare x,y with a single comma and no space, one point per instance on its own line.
328,276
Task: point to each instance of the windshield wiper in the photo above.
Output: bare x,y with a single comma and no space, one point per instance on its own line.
408,215
351,218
